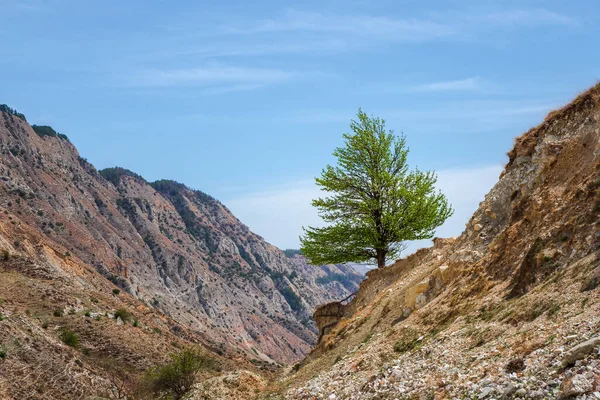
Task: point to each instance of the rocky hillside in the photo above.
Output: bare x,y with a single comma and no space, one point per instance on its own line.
509,309
69,233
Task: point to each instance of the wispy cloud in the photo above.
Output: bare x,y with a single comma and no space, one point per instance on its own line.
453,85
359,25
393,29
538,16
214,78
309,32
456,85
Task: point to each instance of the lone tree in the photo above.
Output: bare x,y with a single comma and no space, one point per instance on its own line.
375,203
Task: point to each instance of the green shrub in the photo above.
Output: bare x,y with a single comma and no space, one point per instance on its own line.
178,376
88,314
2,352
291,252
123,314
2,317
12,111
116,292
45,130
58,313
5,255
292,298
408,341
136,323
69,337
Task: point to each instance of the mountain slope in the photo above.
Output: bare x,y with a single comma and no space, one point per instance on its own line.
178,250
502,311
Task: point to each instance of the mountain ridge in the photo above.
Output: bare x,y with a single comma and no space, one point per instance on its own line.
178,252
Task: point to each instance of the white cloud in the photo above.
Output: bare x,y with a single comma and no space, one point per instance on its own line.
316,33
361,25
440,25
537,16
455,85
219,78
278,214
465,189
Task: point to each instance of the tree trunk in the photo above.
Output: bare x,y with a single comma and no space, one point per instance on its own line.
380,258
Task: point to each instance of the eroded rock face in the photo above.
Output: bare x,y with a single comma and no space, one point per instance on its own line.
179,250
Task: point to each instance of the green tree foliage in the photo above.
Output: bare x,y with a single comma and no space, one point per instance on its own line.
69,337
291,252
175,379
375,203
114,175
11,111
292,298
123,314
45,130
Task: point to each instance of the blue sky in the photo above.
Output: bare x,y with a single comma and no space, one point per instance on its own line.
246,100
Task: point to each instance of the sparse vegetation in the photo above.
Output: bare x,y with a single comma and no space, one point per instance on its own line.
409,340
69,337
175,379
292,298
2,352
123,314
57,313
292,252
116,292
12,111
45,130
114,174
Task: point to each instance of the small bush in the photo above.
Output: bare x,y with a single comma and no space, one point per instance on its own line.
88,314
123,314
2,352
2,317
5,255
45,324
69,337
116,292
58,313
177,377
136,323
407,342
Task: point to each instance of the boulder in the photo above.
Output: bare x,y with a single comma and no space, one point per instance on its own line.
580,351
575,386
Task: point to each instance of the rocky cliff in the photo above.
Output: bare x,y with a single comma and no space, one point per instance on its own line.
509,309
69,233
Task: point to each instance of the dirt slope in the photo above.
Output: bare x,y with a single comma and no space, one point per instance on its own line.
495,312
